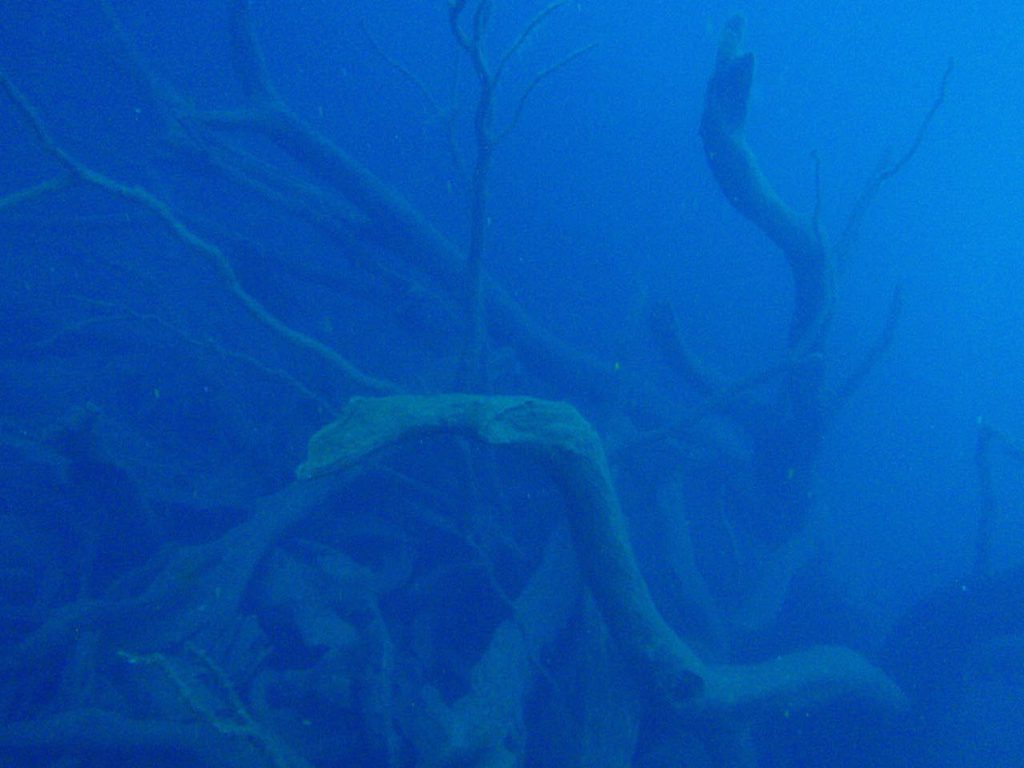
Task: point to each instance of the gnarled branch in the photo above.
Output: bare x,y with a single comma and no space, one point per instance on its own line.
670,670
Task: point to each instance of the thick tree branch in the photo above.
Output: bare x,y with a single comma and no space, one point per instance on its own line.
570,449
745,186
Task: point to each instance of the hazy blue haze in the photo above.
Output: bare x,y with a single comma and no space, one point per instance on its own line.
601,199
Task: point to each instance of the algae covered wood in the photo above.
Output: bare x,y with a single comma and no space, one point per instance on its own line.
572,451
665,665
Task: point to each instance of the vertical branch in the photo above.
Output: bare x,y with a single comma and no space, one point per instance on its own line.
393,220
472,373
471,362
787,447
739,175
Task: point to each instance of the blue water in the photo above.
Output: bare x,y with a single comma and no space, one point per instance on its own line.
145,412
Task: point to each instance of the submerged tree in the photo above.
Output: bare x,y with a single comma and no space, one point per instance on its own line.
451,579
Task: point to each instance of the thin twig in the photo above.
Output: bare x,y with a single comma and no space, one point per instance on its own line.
717,403
535,22
537,80
887,171
402,69
444,117
875,353
208,343
922,129
55,184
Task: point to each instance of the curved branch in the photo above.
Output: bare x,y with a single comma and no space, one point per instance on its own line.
573,452
886,172
669,669
745,186
706,381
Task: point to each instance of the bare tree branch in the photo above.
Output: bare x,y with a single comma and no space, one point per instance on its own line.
193,241
863,203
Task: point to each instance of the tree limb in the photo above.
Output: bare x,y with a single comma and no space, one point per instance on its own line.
670,670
